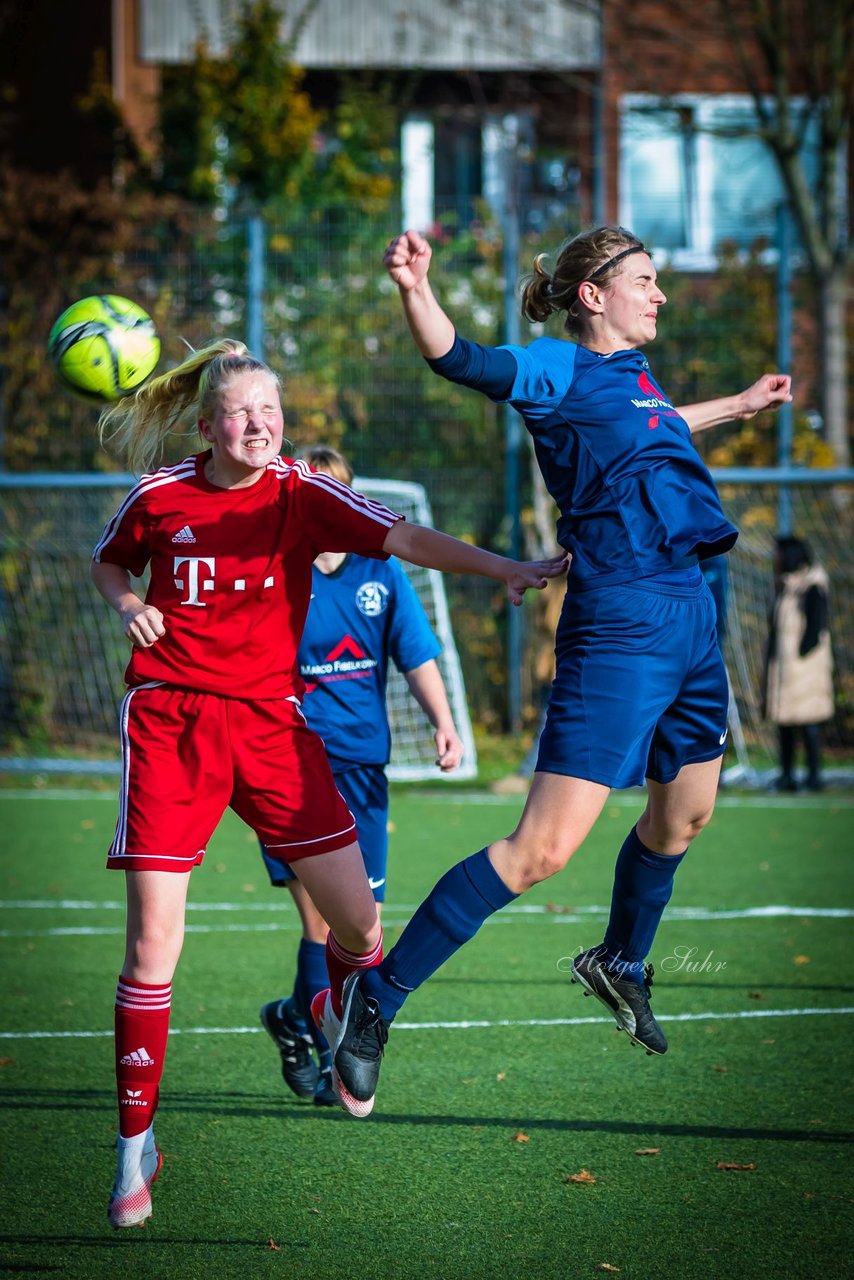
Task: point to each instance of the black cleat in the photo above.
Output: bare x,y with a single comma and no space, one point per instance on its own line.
357,1040
299,1070
628,1001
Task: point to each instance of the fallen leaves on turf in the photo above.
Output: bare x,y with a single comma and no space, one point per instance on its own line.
801,960
607,1266
756,995
520,1137
730,1166
583,1175
647,1151
271,1244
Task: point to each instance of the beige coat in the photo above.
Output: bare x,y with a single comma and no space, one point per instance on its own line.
798,690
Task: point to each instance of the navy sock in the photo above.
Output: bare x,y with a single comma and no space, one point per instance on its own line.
451,913
312,976
643,883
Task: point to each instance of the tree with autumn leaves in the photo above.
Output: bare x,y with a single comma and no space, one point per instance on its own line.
241,126
794,61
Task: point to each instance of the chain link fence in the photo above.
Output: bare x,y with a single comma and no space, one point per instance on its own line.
333,328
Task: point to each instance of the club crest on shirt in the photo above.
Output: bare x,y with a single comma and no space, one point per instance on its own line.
372,599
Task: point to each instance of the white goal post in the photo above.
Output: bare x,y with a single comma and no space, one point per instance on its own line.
413,758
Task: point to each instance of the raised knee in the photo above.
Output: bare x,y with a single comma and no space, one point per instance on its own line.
359,937
542,863
696,824
673,837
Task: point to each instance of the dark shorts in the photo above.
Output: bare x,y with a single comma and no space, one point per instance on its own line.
640,687
365,791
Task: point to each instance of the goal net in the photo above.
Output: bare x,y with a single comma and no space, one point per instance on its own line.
821,514
62,653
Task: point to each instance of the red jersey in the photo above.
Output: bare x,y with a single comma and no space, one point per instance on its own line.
231,569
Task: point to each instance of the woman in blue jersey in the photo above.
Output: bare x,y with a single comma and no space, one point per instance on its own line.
363,614
640,690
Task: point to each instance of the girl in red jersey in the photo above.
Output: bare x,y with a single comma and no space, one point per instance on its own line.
212,714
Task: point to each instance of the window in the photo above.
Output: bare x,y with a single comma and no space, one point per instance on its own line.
449,166
693,173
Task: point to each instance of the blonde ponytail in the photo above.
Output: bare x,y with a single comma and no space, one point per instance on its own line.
139,426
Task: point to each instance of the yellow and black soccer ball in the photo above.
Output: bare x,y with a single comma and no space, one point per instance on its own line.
104,347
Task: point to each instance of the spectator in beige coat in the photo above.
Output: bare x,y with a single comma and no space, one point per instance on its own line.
799,663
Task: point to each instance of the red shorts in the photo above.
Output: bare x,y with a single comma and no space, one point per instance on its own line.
187,756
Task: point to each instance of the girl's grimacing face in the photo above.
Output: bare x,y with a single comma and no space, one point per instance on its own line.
246,428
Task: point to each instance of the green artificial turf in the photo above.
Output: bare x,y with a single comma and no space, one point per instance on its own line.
540,1144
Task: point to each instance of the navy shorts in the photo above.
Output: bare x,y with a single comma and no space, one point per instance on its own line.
640,686
365,791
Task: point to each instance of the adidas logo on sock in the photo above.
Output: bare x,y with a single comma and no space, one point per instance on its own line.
138,1058
184,535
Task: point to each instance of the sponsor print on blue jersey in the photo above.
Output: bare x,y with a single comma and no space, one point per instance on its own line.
361,617
634,496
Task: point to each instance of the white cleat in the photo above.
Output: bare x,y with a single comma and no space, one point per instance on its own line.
138,1166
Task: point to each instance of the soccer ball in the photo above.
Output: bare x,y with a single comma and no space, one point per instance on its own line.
104,347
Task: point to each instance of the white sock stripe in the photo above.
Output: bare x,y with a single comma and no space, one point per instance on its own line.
140,1007
358,961
151,999
132,990
363,961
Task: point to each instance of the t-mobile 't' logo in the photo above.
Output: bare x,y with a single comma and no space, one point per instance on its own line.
195,579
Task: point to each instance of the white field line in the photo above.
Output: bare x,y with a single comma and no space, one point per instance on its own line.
554,912
621,800
479,1024
512,915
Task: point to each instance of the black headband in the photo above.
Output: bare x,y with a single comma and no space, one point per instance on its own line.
636,248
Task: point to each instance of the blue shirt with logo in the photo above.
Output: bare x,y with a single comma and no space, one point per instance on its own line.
360,617
634,496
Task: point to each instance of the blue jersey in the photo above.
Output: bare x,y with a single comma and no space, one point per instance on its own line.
360,617
634,497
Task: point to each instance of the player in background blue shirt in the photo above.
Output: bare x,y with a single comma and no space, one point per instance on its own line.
363,614
640,689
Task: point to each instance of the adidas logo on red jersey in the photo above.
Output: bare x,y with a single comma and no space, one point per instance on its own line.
184,535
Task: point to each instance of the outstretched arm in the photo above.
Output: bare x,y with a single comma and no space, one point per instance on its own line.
141,622
407,260
769,392
428,689
434,550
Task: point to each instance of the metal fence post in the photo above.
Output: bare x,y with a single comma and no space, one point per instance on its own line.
255,269
512,424
784,361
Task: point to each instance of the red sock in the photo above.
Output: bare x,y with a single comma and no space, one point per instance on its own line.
142,1028
340,963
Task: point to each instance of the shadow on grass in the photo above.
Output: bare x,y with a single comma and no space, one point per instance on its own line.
128,1238
256,1106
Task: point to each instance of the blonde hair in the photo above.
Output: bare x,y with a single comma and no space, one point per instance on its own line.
588,254
139,425
324,458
